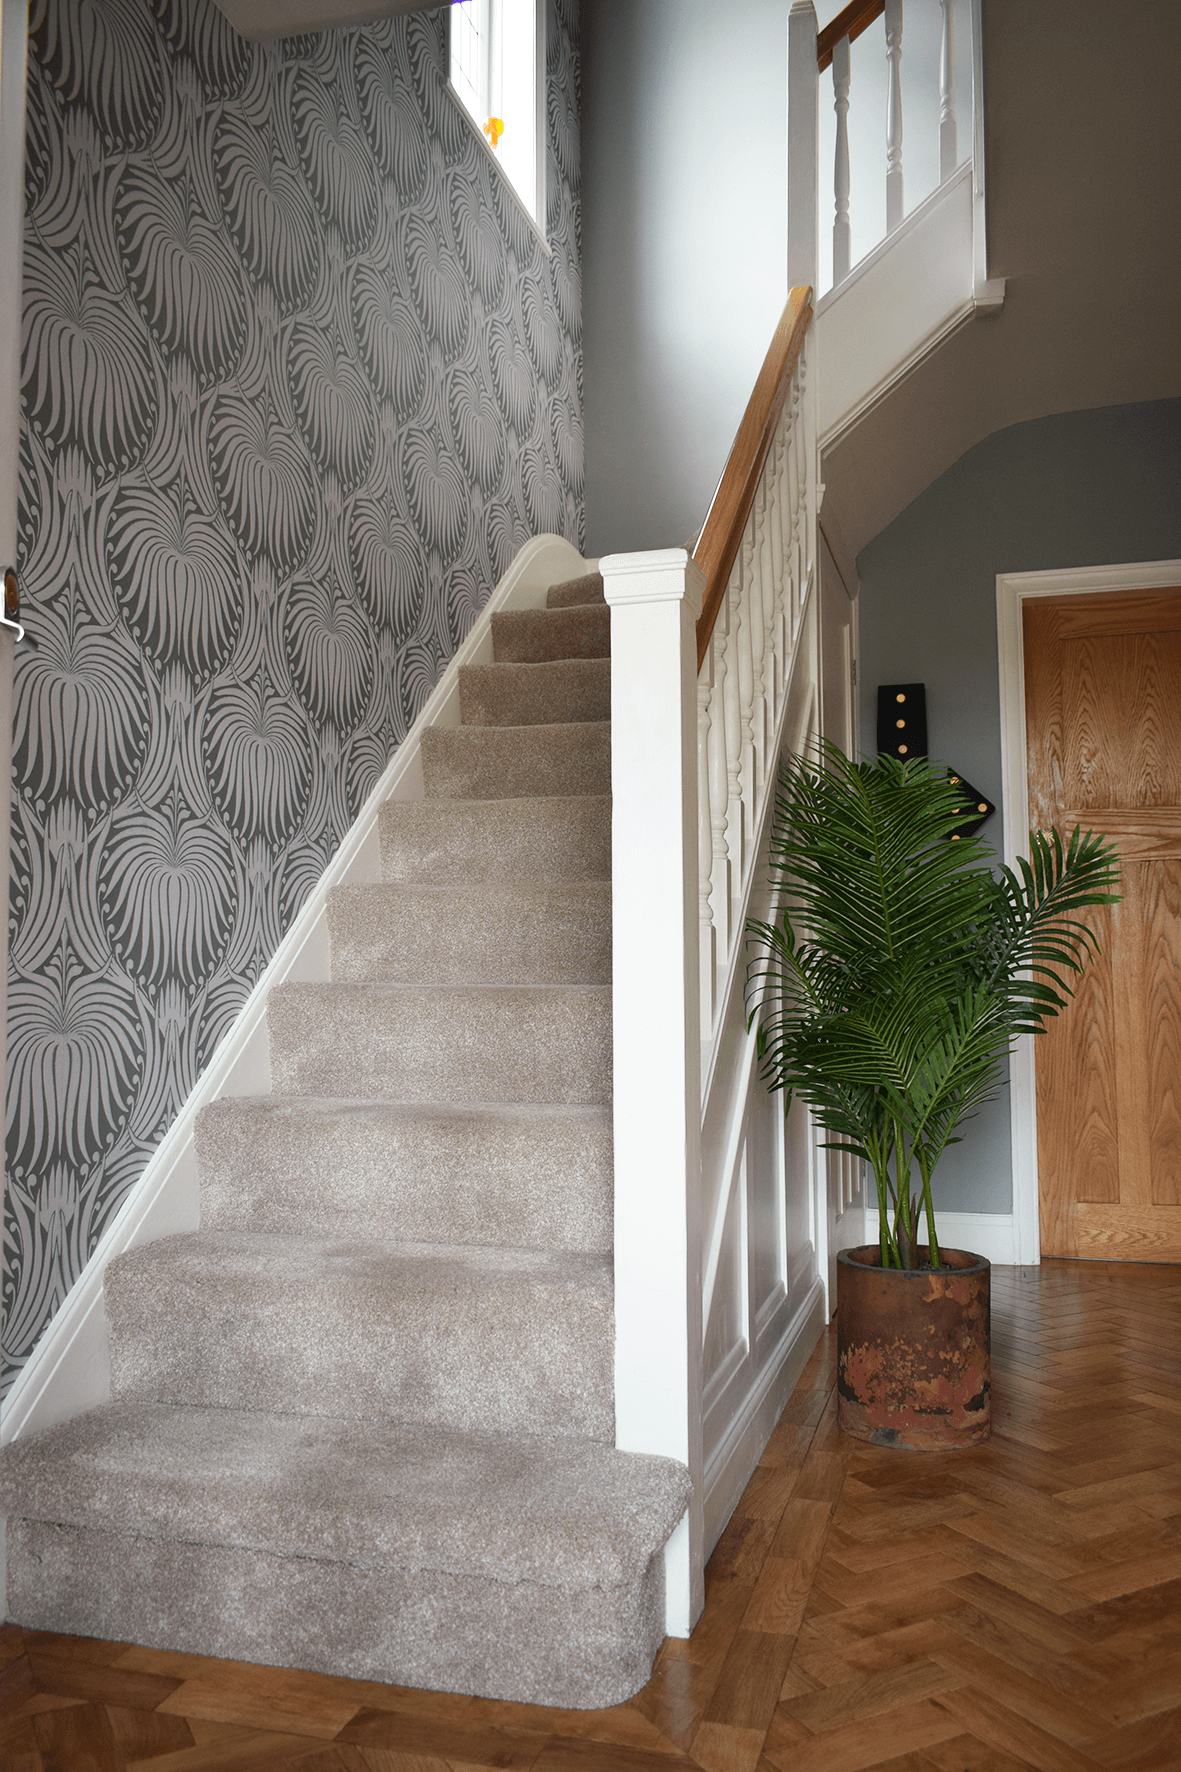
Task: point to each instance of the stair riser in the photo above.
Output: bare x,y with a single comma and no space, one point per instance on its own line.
535,695
516,762
524,1643
528,1182
463,843
459,1045
534,636
553,935
576,592
492,1349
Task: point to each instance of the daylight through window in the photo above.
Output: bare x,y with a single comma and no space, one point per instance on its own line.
497,65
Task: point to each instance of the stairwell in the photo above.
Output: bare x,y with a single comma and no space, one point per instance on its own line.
362,1420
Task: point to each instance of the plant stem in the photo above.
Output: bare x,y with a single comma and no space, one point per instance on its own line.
932,1239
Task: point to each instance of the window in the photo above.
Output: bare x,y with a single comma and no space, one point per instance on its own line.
497,68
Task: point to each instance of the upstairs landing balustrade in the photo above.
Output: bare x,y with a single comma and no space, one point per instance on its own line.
904,260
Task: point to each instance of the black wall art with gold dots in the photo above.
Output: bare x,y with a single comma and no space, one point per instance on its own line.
299,380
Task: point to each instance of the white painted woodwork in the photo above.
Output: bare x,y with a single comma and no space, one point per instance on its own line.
847,1193
803,150
69,1369
655,599
841,236
895,306
948,155
284,18
894,115
1012,591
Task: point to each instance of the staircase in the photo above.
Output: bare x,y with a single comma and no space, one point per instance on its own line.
363,1418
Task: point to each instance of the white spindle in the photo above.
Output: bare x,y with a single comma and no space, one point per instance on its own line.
767,587
746,691
894,115
757,525
735,821
948,156
841,239
779,559
719,786
705,853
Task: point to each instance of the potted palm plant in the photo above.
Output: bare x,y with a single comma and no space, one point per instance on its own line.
889,991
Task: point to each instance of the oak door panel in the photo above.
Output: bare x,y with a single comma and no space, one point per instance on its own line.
1103,717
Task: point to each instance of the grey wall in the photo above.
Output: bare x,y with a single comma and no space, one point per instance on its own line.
299,380
684,170
1079,489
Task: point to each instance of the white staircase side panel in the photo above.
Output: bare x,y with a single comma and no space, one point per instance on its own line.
69,1369
900,301
763,1192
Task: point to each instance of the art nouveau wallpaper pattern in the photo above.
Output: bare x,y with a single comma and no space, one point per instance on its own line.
299,381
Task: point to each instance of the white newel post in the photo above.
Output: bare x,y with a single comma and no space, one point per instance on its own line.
655,600
803,145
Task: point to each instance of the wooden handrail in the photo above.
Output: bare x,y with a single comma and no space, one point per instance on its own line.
855,18
719,541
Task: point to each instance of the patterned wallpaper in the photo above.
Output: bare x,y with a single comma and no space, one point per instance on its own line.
299,381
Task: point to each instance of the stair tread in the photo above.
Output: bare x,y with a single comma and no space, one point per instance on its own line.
458,1335
533,636
573,691
515,762
371,1261
588,588
377,1494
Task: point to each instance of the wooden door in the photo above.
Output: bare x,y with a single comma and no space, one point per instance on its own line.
1103,721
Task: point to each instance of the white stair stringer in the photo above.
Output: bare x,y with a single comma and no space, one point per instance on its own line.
362,1413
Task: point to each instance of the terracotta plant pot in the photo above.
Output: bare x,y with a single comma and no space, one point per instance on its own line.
913,1351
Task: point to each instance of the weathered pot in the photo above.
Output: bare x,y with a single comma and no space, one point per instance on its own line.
913,1352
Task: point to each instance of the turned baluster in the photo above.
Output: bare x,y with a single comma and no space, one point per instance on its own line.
894,115
719,784
736,822
948,156
705,848
841,239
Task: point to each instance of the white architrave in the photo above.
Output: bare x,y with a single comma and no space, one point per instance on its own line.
655,599
1013,590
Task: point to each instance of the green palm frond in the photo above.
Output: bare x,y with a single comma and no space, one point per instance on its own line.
890,993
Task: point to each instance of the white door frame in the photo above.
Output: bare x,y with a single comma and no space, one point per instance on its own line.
1013,589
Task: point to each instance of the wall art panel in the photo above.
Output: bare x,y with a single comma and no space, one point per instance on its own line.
299,380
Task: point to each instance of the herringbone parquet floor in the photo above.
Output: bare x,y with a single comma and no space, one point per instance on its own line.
1010,1607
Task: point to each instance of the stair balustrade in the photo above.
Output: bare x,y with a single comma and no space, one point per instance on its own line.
719,1212
812,53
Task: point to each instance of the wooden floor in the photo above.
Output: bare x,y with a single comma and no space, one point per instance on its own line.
1014,1606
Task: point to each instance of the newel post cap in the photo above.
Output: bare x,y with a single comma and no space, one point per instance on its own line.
662,575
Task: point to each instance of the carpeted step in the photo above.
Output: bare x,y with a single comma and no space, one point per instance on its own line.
572,591
552,933
442,1043
530,636
527,1570
516,762
573,689
523,1177
456,842
497,1340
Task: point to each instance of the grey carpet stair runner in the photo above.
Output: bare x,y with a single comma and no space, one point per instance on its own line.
362,1420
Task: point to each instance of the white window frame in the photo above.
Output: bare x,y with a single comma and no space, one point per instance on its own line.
487,93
